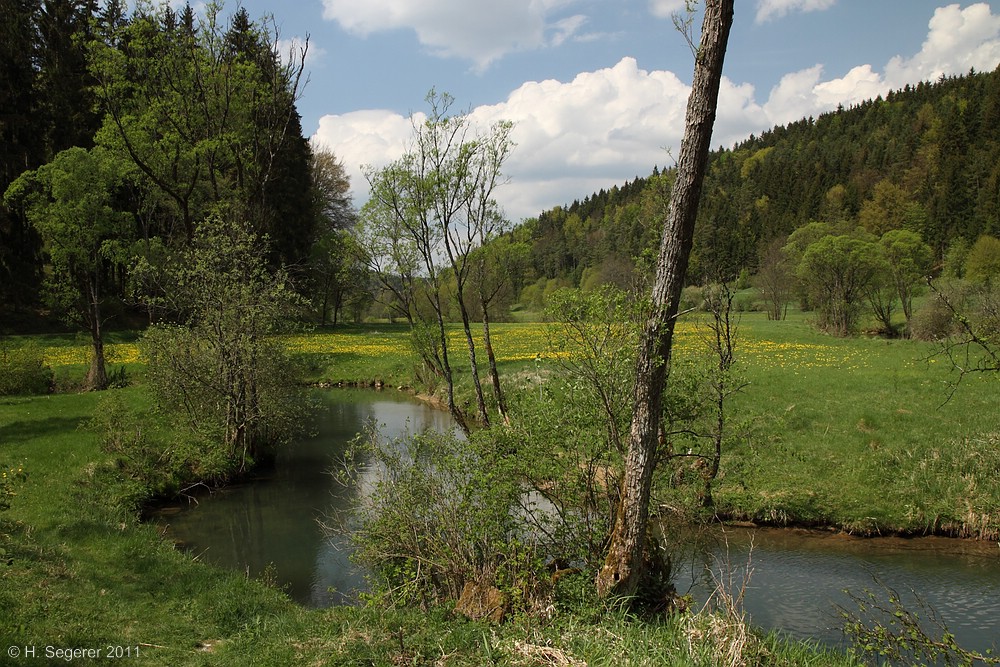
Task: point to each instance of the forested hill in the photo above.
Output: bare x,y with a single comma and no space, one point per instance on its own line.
925,158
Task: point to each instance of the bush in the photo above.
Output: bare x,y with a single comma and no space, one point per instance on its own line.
147,464
982,264
692,297
436,513
932,321
23,370
221,373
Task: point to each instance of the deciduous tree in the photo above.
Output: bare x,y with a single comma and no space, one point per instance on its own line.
70,202
436,202
837,271
624,568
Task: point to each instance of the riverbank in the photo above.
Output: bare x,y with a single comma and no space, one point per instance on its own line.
79,571
851,434
863,435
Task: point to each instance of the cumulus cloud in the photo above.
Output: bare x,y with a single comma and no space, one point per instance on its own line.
958,39
775,9
666,8
607,126
571,136
478,30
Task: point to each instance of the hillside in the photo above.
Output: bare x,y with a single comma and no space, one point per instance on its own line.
925,158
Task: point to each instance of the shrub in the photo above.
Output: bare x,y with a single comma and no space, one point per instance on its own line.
932,321
435,514
982,264
692,297
23,370
220,372
147,464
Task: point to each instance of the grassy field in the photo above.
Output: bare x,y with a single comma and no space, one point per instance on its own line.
849,432
78,572
856,433
864,434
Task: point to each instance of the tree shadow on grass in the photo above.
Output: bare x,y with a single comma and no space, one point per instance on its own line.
29,429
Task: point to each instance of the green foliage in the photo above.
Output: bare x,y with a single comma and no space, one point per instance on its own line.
908,262
888,630
23,369
439,512
982,264
221,372
147,461
210,121
837,271
72,204
48,107
595,335
954,258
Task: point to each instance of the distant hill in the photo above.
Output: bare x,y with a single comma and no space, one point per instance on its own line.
926,158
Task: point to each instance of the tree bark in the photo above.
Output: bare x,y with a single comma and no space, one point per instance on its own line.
494,374
97,376
623,568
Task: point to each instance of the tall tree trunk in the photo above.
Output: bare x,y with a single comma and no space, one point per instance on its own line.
624,565
445,365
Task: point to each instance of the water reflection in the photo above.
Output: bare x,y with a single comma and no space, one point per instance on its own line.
273,521
798,578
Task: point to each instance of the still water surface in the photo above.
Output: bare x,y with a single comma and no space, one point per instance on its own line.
797,577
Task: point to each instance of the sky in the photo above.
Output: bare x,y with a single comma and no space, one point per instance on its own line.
597,88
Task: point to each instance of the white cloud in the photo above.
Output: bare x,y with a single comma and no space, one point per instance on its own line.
664,9
608,126
602,127
958,39
771,9
292,48
478,30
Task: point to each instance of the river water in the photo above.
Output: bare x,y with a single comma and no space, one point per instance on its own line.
796,577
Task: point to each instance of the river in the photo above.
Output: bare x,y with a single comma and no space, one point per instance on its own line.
796,577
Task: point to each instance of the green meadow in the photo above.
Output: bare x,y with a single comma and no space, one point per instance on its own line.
865,435
868,435
78,570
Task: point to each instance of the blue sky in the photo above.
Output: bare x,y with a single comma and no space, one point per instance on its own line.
597,88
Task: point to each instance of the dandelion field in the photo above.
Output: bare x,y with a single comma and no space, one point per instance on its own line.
866,434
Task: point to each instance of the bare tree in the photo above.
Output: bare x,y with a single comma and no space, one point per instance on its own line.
775,279
624,565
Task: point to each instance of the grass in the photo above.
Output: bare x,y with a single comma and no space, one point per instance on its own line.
864,434
77,571
869,435
852,433
78,574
